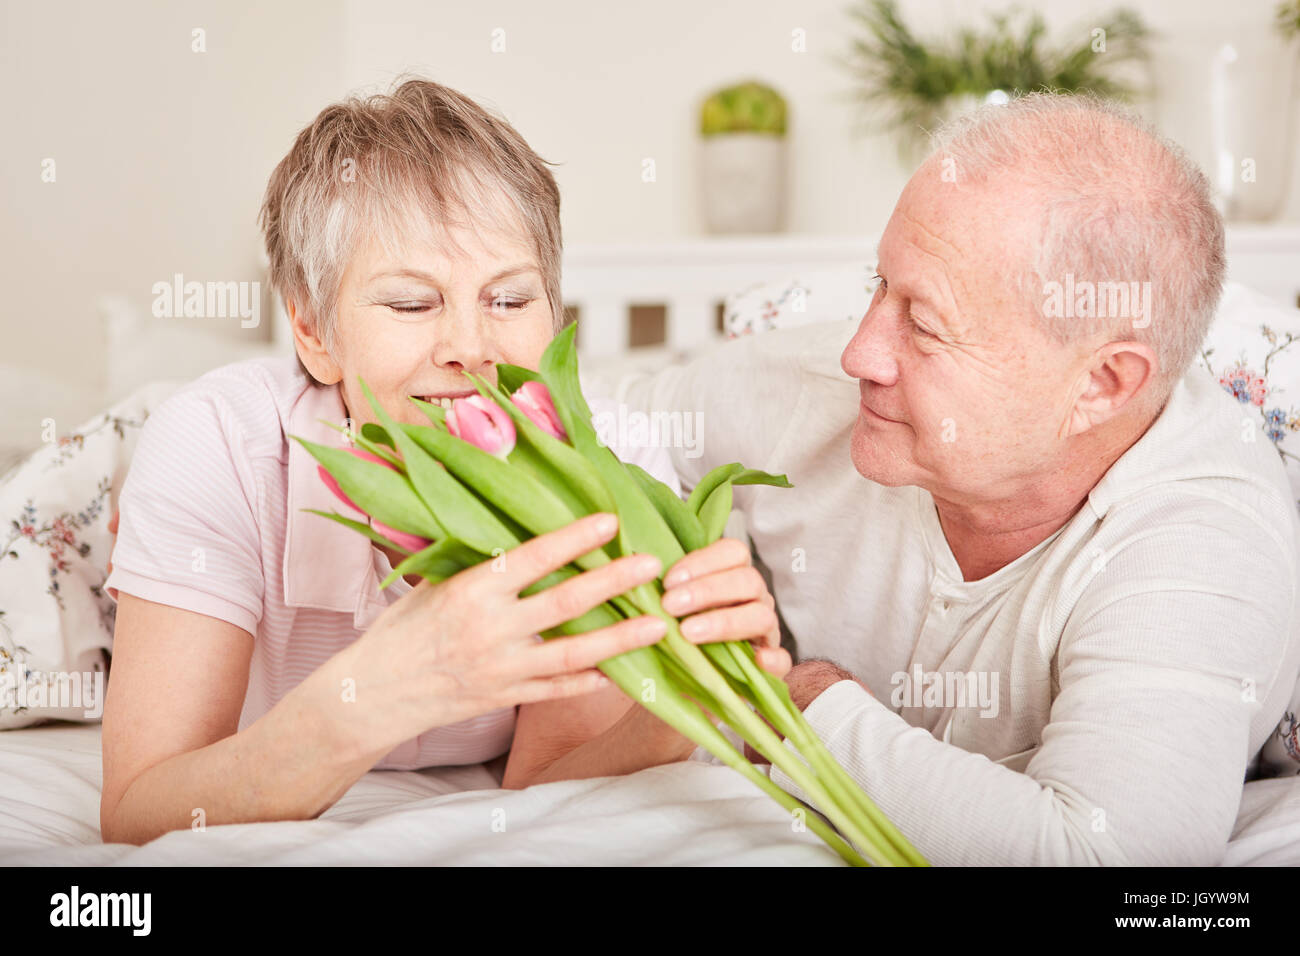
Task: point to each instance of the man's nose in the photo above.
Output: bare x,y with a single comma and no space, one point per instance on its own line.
872,353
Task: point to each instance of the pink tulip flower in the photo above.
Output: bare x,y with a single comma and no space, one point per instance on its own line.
333,485
410,542
534,400
483,423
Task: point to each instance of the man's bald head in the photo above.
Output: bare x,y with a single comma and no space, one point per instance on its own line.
1119,204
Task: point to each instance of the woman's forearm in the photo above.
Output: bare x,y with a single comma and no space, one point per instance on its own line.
291,764
636,741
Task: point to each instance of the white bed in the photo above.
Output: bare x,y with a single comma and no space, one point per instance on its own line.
686,814
691,813
694,813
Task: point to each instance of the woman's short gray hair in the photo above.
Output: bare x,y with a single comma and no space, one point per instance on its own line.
420,158
1121,204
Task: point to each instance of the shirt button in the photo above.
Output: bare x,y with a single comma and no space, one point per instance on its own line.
945,605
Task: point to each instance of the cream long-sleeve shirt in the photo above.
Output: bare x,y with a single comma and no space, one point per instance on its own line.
1098,700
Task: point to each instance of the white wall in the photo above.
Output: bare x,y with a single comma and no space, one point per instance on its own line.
601,86
162,154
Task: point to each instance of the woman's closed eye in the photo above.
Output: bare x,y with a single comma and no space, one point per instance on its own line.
509,301
409,307
500,303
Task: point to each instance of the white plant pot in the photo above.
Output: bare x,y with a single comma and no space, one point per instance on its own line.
743,182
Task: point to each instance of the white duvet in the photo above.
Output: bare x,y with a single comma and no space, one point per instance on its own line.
692,813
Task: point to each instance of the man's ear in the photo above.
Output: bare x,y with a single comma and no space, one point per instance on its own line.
311,350
1117,379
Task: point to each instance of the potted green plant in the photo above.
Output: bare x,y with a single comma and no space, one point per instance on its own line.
1288,18
910,85
743,161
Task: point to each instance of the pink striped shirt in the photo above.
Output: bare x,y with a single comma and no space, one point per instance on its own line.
212,521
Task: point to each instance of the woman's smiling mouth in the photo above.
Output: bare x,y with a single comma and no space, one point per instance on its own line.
445,398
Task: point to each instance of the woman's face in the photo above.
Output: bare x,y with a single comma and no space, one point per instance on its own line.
411,324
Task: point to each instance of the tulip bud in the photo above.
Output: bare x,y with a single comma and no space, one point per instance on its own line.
333,485
533,399
483,423
410,542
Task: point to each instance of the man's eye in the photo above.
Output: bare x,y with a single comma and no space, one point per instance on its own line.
881,284
911,318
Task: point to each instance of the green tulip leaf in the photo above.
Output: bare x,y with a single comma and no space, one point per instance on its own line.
678,515
380,492
362,527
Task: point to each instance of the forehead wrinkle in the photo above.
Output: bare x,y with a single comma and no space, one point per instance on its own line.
946,304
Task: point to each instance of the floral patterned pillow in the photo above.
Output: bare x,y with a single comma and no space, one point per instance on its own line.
817,296
1253,351
56,623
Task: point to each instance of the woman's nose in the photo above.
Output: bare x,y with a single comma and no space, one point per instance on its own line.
462,345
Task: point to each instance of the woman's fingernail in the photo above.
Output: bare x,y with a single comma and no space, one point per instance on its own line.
676,576
606,524
695,628
648,566
677,600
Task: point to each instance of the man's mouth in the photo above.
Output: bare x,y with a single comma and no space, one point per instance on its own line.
874,414
867,410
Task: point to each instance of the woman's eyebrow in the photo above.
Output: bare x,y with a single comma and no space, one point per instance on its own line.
403,274
513,271
429,277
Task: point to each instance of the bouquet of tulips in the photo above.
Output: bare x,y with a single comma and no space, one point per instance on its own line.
521,459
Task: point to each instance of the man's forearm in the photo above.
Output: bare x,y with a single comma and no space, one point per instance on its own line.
1104,804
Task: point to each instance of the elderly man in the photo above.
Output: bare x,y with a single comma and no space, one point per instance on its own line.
1048,615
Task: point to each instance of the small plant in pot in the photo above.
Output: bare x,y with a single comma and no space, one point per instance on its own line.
910,84
743,160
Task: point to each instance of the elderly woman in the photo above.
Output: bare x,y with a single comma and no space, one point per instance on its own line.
258,671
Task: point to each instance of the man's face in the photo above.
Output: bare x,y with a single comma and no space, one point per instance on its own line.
960,392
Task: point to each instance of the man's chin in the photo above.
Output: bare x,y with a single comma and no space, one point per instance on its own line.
875,459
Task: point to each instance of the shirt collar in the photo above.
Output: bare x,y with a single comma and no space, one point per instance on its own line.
327,566
1187,441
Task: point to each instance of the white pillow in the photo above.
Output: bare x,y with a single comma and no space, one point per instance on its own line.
143,349
56,623
30,397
